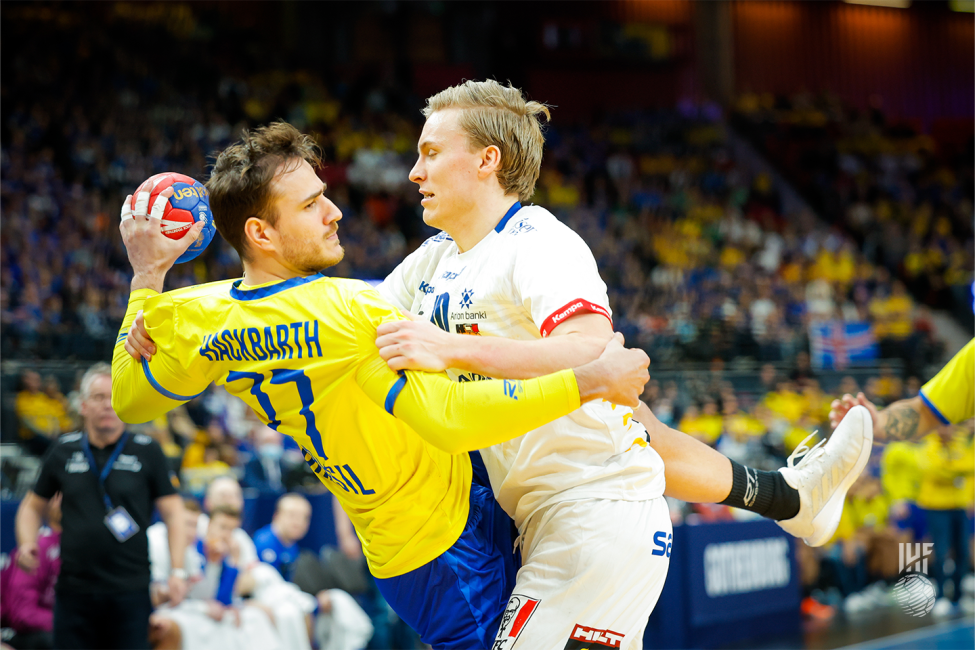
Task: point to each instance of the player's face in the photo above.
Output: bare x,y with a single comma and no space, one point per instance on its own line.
446,170
306,233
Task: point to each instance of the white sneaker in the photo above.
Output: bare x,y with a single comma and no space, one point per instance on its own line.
824,475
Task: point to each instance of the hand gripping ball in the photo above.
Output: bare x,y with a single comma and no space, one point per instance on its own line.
190,202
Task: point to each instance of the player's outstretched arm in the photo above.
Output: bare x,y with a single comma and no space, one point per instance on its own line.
458,417
948,397
421,345
907,419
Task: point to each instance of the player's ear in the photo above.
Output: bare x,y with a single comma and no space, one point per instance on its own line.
256,234
490,161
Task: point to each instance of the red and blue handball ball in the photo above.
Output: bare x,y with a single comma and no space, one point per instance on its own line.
189,203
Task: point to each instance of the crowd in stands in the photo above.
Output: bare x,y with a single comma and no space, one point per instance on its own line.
700,260
905,196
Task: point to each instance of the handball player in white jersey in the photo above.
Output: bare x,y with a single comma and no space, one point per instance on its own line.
586,491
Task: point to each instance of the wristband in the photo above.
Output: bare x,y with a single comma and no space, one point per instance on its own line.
178,573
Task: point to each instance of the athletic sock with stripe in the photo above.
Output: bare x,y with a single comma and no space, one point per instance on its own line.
765,493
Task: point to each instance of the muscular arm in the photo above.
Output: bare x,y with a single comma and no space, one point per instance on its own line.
458,417
420,345
171,511
695,472
907,419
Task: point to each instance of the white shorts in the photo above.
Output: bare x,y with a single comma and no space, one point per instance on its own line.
592,572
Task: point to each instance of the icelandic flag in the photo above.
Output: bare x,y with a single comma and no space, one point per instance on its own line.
836,344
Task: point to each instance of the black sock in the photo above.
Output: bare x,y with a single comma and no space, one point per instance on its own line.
763,492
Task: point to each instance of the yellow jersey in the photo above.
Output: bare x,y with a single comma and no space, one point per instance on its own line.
301,352
945,471
951,393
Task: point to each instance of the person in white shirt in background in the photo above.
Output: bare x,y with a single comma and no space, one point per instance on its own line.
212,616
262,582
339,623
225,491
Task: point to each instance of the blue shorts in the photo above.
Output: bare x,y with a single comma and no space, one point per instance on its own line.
457,600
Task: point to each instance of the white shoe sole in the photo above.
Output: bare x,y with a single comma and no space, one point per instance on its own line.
833,508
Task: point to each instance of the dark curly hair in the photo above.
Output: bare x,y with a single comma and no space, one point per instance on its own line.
240,185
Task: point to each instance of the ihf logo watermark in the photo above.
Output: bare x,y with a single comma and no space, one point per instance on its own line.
914,591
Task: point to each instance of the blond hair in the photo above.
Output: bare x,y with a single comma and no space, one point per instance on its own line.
492,114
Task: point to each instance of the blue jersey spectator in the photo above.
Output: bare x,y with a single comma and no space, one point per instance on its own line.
277,543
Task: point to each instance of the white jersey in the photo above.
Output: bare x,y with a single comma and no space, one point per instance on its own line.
524,278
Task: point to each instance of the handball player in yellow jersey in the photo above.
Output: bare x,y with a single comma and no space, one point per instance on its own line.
299,348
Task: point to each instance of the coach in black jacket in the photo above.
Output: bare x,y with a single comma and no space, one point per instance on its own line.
110,480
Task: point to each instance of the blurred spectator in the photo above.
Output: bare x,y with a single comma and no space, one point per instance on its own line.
946,462
212,616
266,470
28,607
42,418
340,624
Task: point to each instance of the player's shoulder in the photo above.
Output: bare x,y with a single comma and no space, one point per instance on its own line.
439,241
535,223
206,293
348,289
533,230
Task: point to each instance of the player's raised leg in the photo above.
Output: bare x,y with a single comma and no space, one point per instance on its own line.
805,498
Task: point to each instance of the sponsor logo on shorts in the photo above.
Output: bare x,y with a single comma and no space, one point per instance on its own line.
583,637
516,616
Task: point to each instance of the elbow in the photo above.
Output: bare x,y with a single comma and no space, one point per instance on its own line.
125,411
121,409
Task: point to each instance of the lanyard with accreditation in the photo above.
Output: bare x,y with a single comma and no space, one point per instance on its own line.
118,520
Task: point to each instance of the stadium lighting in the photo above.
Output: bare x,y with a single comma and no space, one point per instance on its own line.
890,4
